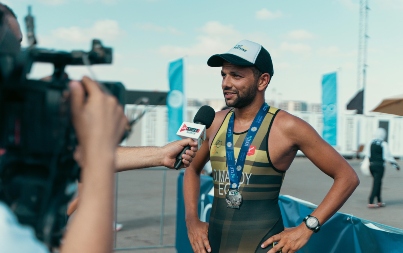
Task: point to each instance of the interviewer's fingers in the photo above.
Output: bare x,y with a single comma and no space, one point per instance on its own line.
189,142
186,159
190,153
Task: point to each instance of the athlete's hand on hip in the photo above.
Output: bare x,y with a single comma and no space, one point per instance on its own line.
290,240
197,233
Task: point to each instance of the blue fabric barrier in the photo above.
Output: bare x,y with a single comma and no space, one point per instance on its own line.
204,207
343,233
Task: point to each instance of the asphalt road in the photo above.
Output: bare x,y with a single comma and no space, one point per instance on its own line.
139,202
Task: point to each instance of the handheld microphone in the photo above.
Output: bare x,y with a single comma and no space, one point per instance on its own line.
197,130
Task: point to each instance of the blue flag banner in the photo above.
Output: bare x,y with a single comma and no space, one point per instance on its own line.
176,99
329,108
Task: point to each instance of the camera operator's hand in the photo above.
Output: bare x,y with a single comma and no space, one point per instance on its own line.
99,123
98,118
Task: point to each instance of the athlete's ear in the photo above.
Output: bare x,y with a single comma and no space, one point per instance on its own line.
264,80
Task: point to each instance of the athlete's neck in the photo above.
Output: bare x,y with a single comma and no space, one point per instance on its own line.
244,116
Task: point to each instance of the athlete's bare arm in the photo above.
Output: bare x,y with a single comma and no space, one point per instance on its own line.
197,230
296,134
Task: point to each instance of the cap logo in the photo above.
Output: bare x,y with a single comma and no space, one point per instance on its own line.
240,47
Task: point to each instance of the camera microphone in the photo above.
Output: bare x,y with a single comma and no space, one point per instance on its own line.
197,130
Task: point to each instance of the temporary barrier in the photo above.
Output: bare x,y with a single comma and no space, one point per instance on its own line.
343,233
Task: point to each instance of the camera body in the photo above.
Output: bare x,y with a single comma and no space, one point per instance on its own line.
38,172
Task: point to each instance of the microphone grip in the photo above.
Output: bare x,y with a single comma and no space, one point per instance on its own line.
178,162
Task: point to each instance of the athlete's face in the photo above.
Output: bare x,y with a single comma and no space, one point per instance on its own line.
239,85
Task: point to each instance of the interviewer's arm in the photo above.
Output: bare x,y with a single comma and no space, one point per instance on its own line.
130,158
99,123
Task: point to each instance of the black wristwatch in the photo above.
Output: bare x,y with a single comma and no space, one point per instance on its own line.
312,223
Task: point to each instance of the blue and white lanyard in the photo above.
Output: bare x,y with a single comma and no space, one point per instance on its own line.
235,170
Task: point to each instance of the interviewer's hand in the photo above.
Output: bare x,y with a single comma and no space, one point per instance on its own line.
171,150
197,233
97,117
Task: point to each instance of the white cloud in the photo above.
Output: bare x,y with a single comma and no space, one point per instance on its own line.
349,4
53,2
6,2
300,35
204,46
215,37
282,66
156,28
331,51
102,29
297,48
61,2
336,52
215,28
110,1
390,4
107,2
265,14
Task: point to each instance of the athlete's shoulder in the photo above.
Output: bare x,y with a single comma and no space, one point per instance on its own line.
220,116
290,124
217,122
287,119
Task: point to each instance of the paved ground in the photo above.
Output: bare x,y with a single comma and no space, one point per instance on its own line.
140,192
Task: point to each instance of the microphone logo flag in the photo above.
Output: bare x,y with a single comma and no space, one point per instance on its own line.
192,130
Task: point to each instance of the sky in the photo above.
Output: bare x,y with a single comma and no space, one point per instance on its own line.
306,40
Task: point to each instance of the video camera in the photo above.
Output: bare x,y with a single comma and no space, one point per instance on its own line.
38,173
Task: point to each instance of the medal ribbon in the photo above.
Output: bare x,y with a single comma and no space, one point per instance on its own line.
235,170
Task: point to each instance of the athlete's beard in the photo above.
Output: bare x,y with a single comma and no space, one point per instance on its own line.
244,99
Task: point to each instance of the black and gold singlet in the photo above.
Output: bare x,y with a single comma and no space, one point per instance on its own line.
244,230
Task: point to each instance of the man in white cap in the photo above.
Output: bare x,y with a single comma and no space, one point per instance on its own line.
250,147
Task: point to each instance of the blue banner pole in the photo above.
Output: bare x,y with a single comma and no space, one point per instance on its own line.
329,108
176,100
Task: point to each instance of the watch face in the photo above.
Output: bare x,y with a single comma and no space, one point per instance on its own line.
312,222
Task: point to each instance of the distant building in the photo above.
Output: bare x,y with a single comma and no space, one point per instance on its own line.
317,108
293,106
195,102
216,104
353,130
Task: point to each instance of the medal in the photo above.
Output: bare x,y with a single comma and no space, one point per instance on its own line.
233,198
235,166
